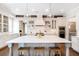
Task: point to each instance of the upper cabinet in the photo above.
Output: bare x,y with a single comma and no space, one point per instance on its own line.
61,21
50,22
0,23
34,23
0,18
3,23
31,20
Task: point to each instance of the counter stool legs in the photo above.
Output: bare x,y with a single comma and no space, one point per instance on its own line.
10,49
31,51
46,51
67,49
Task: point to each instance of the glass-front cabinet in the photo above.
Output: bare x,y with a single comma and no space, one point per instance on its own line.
3,23
0,23
50,22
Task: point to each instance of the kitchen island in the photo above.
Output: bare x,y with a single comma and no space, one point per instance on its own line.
39,41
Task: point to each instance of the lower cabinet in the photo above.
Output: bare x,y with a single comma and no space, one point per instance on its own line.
75,43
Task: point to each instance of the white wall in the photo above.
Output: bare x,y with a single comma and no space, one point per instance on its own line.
15,25
10,25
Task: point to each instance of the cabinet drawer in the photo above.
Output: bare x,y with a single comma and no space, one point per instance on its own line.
75,40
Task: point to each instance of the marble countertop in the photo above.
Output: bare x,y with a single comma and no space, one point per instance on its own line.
36,39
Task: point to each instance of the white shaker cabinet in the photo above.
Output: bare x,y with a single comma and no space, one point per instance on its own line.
75,43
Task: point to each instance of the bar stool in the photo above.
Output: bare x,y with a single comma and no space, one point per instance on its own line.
24,51
62,48
39,51
55,51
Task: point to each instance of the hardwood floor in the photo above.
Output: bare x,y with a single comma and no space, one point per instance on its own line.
5,51
73,52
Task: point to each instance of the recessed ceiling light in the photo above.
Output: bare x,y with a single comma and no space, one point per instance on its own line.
16,9
61,10
33,9
47,10
27,14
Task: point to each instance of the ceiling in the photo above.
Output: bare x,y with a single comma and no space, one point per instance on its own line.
40,8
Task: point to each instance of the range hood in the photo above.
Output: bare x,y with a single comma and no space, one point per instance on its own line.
39,21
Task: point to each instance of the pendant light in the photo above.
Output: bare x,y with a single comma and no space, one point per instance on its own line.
50,10
26,16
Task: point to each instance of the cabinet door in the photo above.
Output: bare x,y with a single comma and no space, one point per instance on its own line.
74,39
0,23
53,24
0,27
5,24
75,47
75,43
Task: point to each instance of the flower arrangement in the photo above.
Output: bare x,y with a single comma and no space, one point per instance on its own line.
39,34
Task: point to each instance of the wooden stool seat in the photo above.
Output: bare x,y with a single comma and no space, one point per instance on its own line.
55,51
24,51
39,51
